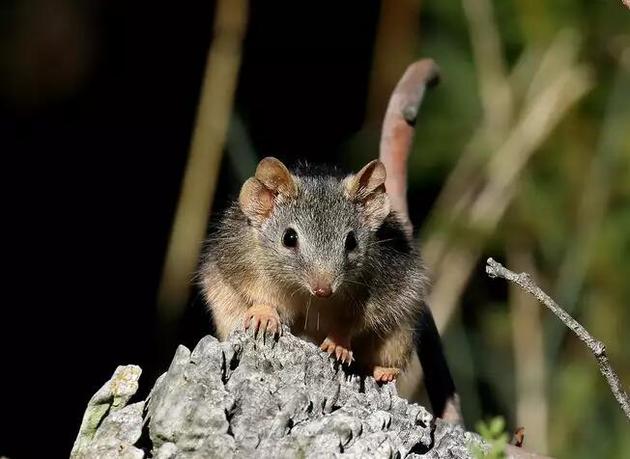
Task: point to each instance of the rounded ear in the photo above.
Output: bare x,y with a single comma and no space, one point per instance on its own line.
367,188
255,199
271,182
276,177
366,181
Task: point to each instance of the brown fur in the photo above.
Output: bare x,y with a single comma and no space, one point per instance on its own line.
377,288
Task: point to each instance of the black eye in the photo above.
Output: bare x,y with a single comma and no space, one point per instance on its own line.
351,242
290,239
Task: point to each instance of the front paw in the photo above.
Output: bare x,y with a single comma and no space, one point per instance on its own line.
340,347
385,374
262,318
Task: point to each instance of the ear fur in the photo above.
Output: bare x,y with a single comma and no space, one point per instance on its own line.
367,188
276,177
271,182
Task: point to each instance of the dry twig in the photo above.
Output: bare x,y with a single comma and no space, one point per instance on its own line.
524,281
398,130
594,203
202,170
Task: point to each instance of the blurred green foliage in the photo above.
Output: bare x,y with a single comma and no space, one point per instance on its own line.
571,213
494,433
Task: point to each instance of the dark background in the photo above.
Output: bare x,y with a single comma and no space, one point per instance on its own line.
95,175
97,105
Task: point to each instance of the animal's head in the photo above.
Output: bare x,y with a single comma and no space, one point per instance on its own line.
316,230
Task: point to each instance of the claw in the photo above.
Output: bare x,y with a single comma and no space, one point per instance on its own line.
262,318
341,350
272,327
385,374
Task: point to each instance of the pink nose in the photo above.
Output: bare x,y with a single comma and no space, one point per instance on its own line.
322,290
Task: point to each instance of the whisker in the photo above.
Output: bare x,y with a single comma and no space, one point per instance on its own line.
308,306
297,289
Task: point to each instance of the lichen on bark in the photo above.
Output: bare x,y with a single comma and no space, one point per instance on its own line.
251,397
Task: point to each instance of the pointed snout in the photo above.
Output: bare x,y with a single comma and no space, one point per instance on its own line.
323,290
321,286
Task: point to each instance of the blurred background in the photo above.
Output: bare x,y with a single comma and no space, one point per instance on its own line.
126,127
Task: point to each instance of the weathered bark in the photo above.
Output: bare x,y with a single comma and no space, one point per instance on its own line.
249,398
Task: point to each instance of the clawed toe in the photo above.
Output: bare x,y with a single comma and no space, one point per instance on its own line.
342,353
264,319
385,374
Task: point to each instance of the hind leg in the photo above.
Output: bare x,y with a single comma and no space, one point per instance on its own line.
384,359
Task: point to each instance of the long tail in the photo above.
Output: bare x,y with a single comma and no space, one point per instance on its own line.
437,376
396,142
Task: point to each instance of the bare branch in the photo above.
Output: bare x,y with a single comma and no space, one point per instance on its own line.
524,281
399,128
204,159
594,203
